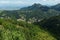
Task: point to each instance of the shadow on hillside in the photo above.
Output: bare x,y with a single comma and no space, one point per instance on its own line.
52,26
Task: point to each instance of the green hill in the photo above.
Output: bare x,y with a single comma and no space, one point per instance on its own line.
52,25
36,22
13,30
36,12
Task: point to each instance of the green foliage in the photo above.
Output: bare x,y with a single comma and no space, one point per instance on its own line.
34,12
22,31
12,29
52,25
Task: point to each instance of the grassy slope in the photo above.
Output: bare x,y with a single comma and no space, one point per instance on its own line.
22,31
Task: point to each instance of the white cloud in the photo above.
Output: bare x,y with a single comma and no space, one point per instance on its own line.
44,0
7,2
12,2
29,2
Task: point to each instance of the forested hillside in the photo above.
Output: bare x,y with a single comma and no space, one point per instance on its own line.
34,13
36,22
52,25
14,30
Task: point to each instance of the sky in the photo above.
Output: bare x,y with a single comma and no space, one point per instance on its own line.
13,4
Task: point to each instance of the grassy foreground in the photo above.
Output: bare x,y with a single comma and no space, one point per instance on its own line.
13,30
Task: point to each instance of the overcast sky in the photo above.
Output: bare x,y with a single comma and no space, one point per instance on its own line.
28,2
18,3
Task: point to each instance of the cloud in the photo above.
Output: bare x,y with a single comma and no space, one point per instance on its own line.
4,1
8,2
44,0
49,2
13,3
16,2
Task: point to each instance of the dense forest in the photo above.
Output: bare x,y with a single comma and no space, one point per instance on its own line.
36,22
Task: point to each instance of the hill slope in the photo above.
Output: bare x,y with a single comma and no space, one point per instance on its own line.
34,13
52,25
48,27
13,30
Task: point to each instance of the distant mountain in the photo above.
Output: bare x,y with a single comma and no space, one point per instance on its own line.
11,7
56,7
36,7
42,7
38,11
33,13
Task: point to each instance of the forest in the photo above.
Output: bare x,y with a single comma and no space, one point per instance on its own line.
36,22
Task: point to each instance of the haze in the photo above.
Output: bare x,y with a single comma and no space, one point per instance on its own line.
16,4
